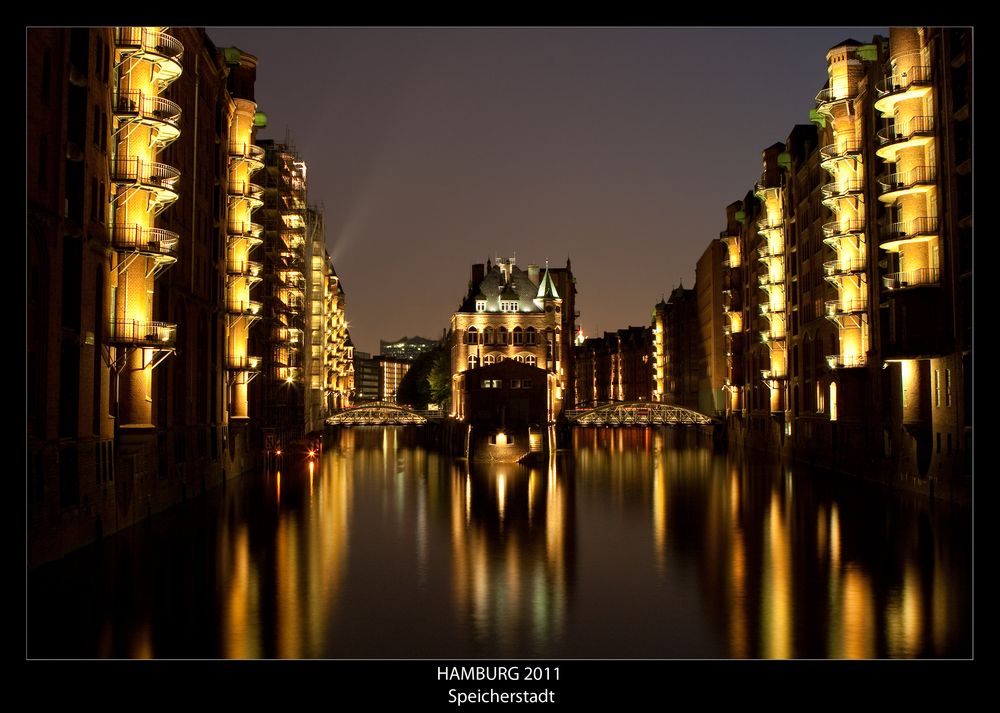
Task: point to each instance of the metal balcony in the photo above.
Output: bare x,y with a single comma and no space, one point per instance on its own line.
162,114
159,48
142,333
842,189
895,185
246,231
765,251
769,336
244,268
835,308
760,190
844,267
831,153
913,83
768,280
251,154
766,308
243,363
246,191
243,307
156,178
918,131
918,229
151,242
826,98
841,228
765,224
923,277
852,361
772,374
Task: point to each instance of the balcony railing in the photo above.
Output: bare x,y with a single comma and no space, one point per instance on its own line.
850,361
925,276
771,335
839,307
148,174
247,151
767,279
766,223
132,102
140,38
843,227
771,374
246,268
128,237
836,151
247,307
142,333
844,267
766,251
829,96
905,180
911,229
244,190
897,83
245,230
766,308
916,126
761,188
243,363
845,187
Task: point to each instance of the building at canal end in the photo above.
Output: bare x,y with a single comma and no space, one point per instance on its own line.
524,315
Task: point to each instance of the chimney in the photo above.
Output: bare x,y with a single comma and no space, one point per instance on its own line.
533,274
478,274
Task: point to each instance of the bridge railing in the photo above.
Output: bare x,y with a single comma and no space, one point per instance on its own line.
638,413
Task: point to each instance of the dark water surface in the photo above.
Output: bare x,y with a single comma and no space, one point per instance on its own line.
634,544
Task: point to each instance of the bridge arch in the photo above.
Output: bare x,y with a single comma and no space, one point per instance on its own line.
637,413
377,413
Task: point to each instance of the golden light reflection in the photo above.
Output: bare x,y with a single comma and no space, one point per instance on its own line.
312,467
859,620
501,495
532,488
141,644
904,616
278,487
660,513
776,609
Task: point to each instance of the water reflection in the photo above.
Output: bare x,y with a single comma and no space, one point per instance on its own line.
512,541
638,543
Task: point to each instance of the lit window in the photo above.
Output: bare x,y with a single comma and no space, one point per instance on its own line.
530,335
489,359
472,361
480,305
530,360
518,335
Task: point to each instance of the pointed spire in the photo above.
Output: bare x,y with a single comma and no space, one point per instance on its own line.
547,287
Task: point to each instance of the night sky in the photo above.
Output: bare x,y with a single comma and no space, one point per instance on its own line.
432,149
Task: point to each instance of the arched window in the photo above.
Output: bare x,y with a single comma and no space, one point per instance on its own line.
489,359
488,336
519,358
472,361
502,336
530,334
472,336
518,335
529,359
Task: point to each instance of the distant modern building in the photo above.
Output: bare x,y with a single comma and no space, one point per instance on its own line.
366,378
524,315
408,348
390,372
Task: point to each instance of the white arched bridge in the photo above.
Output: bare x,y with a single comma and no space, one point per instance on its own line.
382,413
637,413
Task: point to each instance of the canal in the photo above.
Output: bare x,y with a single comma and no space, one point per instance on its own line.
635,543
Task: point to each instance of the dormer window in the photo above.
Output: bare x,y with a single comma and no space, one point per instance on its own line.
508,306
480,305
